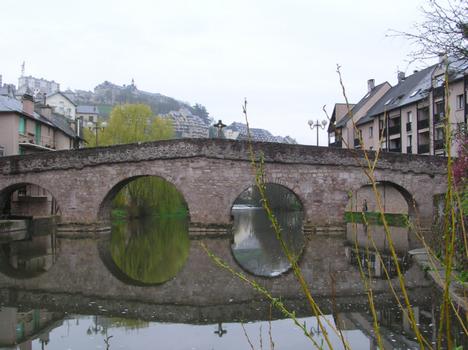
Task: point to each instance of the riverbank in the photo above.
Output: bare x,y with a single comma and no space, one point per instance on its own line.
436,271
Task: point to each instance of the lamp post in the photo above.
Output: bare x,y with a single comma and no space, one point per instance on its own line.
318,126
96,127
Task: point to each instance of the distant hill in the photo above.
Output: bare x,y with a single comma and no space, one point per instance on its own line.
107,95
188,121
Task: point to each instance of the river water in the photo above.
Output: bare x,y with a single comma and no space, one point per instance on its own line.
155,252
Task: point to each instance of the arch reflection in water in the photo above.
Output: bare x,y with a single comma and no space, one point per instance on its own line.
29,257
367,241
255,245
151,249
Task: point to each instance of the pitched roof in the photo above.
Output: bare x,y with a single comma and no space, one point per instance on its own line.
61,122
64,95
8,104
87,109
413,88
342,122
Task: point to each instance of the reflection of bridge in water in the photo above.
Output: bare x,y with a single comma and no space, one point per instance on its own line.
83,266
352,315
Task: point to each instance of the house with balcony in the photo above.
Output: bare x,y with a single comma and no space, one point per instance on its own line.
341,130
25,131
409,117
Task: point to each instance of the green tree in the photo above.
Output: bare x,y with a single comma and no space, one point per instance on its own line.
149,195
130,123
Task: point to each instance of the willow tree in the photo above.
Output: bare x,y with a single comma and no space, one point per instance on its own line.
144,196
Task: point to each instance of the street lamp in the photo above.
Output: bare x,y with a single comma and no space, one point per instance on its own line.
318,126
95,127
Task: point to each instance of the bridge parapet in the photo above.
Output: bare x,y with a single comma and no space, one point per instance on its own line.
217,149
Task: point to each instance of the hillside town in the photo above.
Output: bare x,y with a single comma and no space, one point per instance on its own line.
37,115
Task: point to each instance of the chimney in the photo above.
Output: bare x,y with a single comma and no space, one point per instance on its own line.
400,76
370,85
46,111
28,104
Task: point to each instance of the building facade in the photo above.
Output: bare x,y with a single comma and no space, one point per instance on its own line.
37,86
62,104
409,117
24,131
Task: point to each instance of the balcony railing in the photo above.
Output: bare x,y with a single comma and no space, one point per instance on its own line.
393,130
409,149
395,149
423,148
408,126
439,117
423,124
439,144
33,141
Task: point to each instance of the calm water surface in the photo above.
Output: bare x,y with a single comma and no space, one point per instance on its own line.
154,250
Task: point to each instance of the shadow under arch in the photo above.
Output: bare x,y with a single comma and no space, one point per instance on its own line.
22,191
269,185
105,207
412,205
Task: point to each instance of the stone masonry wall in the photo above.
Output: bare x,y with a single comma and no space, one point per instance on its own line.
212,173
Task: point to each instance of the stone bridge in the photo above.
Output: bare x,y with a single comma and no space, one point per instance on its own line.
211,173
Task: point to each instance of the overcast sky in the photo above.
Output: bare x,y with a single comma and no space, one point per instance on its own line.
280,55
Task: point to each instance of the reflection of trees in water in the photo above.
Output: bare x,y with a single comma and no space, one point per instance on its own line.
255,245
149,195
151,249
279,197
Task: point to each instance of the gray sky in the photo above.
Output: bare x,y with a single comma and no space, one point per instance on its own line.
281,55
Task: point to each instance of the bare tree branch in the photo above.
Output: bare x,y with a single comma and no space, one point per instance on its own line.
444,31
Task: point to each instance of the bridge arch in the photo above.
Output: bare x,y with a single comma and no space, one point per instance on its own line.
14,199
105,205
355,200
281,184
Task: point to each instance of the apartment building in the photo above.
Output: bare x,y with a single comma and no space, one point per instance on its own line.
25,131
344,117
408,117
37,85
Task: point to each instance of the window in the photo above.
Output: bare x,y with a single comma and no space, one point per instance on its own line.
2,151
38,134
371,132
410,117
439,80
439,108
409,141
91,118
439,134
22,126
460,101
